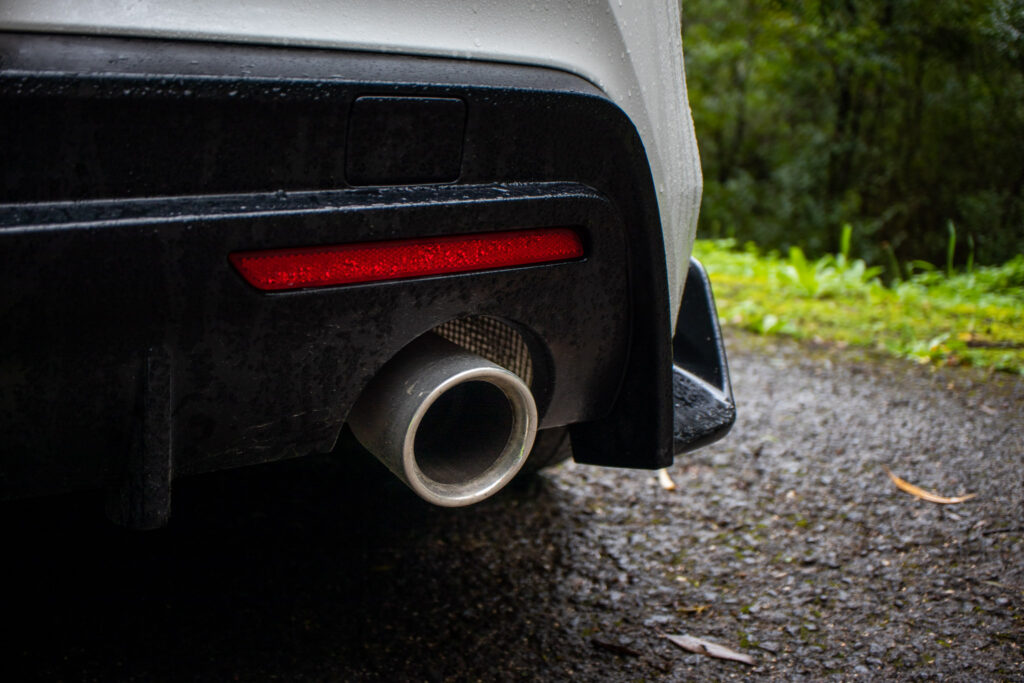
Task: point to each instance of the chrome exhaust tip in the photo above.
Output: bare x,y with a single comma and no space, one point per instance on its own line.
455,427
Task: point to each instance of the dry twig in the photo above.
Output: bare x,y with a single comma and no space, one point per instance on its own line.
616,648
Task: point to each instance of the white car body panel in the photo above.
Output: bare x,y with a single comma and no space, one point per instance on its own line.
631,50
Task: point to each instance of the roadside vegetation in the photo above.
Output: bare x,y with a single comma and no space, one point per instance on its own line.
930,314
901,121
894,117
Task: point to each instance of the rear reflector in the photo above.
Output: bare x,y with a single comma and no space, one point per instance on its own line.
345,264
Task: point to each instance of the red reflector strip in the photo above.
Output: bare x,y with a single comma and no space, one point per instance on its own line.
345,264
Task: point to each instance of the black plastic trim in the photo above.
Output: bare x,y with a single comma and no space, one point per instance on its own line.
702,398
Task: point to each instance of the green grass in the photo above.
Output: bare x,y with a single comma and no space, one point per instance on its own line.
932,316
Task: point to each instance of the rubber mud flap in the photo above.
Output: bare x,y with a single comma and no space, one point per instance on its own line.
702,400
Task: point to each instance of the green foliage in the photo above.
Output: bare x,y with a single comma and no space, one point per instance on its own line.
827,276
972,318
898,118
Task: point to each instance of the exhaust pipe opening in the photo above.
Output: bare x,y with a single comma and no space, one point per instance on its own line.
452,425
463,433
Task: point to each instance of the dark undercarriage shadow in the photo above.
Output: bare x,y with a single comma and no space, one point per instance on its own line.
321,567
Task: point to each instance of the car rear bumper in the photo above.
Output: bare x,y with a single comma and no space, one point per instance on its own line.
133,352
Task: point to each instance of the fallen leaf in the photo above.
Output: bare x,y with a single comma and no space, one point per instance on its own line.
925,495
706,647
665,480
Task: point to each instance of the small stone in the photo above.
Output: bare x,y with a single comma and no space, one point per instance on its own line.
658,620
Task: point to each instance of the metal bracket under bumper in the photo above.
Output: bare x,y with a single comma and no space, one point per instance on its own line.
701,391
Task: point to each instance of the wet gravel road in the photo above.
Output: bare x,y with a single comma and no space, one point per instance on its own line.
787,541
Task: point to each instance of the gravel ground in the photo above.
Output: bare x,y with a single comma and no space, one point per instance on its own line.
787,541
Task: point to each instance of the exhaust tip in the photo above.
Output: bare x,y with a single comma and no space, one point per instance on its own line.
455,427
471,437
